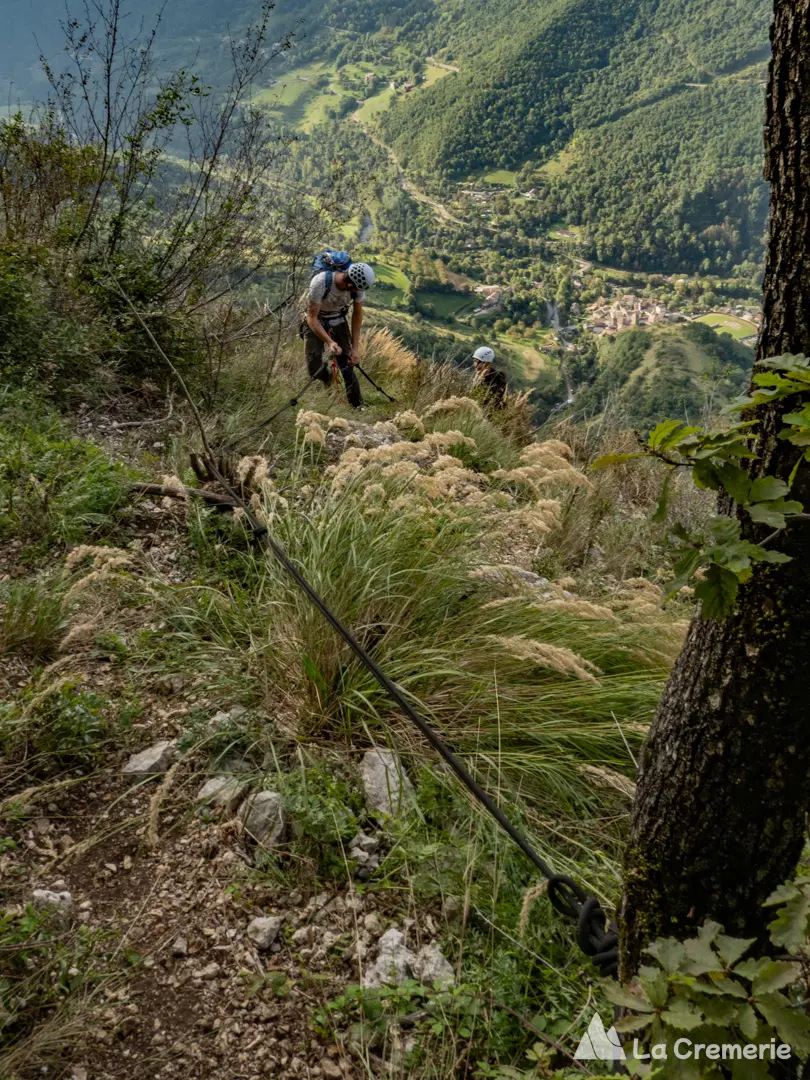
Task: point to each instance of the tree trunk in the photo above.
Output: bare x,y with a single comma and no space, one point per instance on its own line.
724,786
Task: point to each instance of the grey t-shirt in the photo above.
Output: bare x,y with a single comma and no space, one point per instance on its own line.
335,300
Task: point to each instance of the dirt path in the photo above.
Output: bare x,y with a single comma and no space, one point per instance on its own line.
411,188
441,64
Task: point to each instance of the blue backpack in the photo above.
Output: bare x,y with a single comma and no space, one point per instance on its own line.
331,262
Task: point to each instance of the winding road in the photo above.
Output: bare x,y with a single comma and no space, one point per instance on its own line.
411,188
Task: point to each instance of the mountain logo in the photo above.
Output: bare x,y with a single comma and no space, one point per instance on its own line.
599,1045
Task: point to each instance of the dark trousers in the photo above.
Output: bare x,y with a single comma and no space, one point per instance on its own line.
314,350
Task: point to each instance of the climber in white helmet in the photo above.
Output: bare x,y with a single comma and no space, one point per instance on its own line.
489,378
331,291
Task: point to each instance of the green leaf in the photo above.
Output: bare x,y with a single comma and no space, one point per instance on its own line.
789,928
750,969
662,432
720,1011
683,570
773,976
735,481
764,555
745,1069
731,988
768,488
655,985
718,592
606,460
669,953
702,958
786,362
682,1015
680,437
660,515
633,1023
705,475
747,1021
732,948
791,1025
773,513
710,989
782,893
625,997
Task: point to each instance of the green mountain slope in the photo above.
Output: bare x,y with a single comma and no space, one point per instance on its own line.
669,133
640,121
648,375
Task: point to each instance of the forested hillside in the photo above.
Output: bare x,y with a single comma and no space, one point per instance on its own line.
641,122
648,91
687,372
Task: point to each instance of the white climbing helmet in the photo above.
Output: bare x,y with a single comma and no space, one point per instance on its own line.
361,276
484,355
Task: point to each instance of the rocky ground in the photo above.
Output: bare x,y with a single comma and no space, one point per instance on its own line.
160,915
211,971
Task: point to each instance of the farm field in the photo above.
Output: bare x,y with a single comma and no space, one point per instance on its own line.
446,304
560,163
375,106
500,177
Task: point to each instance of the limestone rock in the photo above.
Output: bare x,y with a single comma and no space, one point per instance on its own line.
264,931
394,963
264,819
58,903
363,852
388,790
210,971
153,761
431,967
222,792
366,844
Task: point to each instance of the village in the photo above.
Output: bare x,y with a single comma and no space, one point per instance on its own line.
607,317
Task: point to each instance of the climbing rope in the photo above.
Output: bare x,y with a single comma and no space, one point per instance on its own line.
597,937
266,423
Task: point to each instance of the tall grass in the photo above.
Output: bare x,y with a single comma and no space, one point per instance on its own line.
403,584
32,618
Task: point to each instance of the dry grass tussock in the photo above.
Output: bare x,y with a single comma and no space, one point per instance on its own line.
445,406
556,657
381,350
427,475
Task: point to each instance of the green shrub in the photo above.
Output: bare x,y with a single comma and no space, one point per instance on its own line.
54,488
61,727
46,971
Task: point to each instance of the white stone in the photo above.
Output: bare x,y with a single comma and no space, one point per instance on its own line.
394,963
180,947
60,903
329,939
222,792
388,790
368,844
151,762
264,931
210,971
264,818
431,967
304,936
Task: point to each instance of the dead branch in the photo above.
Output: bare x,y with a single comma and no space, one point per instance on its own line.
184,493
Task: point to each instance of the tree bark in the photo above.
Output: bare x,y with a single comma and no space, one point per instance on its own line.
724,785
